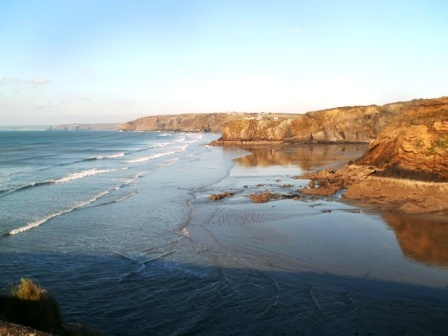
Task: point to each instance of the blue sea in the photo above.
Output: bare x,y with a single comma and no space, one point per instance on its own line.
118,226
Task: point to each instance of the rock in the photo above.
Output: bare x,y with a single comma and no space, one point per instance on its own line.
343,124
217,197
346,124
405,168
12,329
415,143
262,197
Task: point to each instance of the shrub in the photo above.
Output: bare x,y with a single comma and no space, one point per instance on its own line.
33,306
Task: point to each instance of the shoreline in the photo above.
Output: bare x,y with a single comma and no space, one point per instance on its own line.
360,183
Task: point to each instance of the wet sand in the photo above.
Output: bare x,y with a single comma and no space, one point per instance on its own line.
364,251
322,233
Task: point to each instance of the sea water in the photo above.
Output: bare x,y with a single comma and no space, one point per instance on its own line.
119,227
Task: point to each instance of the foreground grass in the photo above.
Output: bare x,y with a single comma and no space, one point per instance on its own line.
32,306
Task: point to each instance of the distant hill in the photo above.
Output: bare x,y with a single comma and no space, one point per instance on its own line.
85,127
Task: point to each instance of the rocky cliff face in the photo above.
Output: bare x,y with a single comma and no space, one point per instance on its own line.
345,124
406,167
200,122
414,144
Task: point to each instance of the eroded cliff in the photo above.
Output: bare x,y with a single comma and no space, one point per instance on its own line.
414,144
345,124
405,167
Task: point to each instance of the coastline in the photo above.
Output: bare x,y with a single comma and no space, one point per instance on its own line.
355,182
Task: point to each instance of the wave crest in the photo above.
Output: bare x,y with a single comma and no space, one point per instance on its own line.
45,219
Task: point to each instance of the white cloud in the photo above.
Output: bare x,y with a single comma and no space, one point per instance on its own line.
37,82
34,82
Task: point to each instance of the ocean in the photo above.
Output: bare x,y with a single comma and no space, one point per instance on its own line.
119,227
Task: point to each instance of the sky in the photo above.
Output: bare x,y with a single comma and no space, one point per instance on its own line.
94,61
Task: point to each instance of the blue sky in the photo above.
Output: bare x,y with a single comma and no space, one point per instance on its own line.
78,61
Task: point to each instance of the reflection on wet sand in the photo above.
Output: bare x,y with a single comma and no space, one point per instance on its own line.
307,157
422,240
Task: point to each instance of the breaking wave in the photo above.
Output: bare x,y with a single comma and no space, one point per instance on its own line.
67,178
81,174
106,157
45,219
151,157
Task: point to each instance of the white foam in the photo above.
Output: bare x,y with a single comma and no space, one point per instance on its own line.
45,219
81,174
130,180
147,158
112,156
163,144
127,196
105,157
168,163
182,148
185,232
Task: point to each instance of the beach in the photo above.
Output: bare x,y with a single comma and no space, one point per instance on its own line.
142,249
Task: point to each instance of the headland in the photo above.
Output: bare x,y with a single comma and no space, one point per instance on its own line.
405,167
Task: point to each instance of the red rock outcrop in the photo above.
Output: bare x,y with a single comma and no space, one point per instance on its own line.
405,167
415,144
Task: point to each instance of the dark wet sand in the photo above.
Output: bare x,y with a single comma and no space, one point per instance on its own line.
365,252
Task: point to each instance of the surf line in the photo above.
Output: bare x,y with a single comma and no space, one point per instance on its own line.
67,178
45,219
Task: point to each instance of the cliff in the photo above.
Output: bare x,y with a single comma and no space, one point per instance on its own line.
344,124
405,167
194,122
347,124
414,144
